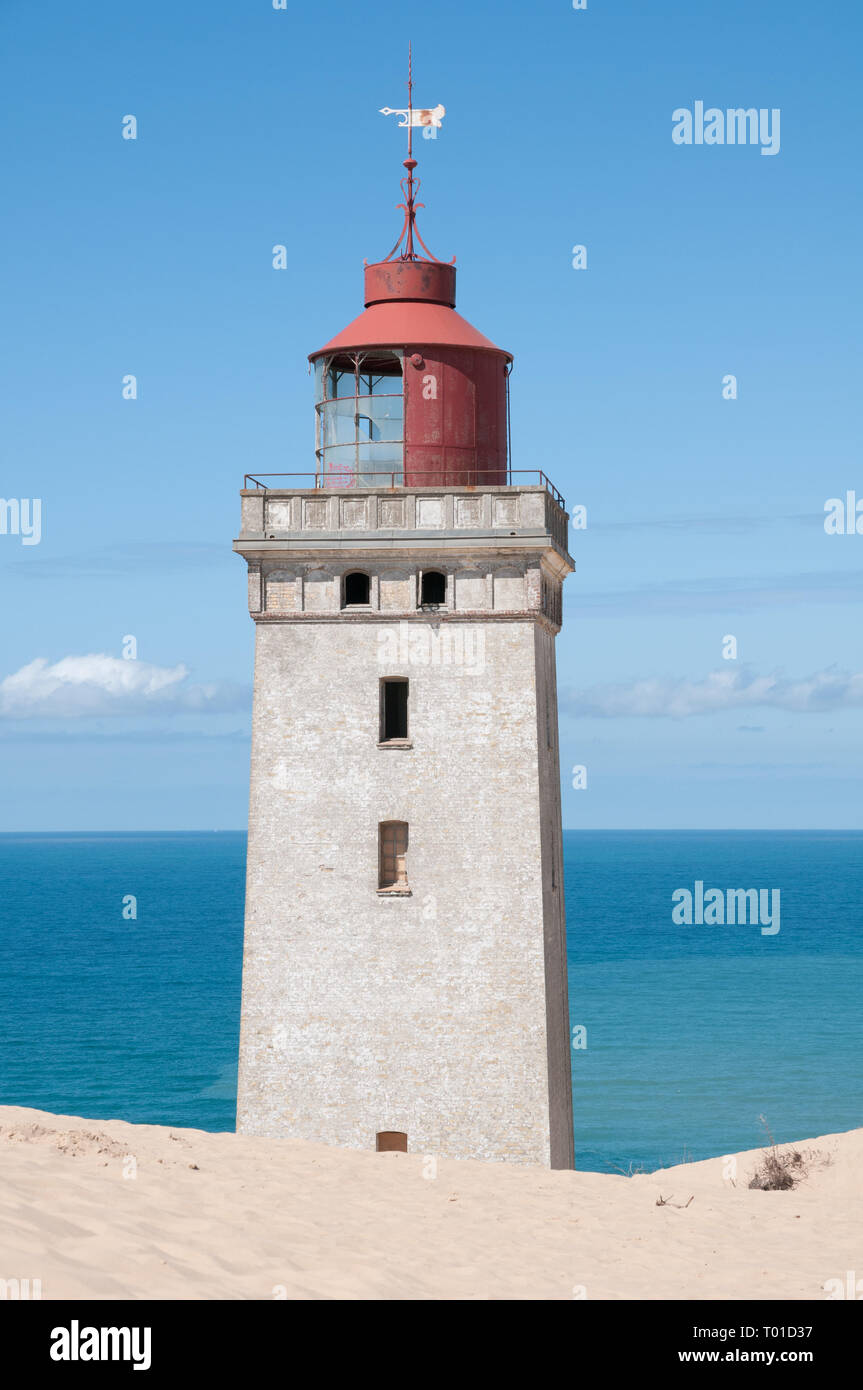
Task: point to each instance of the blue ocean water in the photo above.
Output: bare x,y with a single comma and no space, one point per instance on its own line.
693,1032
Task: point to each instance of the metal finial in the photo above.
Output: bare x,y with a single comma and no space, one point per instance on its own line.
410,186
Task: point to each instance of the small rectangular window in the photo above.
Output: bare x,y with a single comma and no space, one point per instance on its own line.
392,856
391,1141
394,710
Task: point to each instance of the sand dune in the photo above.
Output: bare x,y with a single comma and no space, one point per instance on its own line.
108,1210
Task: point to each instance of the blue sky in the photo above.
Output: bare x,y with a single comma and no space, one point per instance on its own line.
259,126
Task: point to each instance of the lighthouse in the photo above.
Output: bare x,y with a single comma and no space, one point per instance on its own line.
404,969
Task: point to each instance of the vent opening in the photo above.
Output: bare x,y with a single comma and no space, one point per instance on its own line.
391,1141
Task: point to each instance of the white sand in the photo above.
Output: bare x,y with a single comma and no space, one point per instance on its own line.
227,1216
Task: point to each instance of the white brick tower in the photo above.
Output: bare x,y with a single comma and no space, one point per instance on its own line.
404,974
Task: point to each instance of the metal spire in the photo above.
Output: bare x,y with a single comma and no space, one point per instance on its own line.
410,186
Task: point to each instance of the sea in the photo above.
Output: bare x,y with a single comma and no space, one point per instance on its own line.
121,958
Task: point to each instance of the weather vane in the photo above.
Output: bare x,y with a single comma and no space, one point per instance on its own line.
427,117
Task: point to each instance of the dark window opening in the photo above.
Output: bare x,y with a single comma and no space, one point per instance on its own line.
394,710
391,1141
433,588
356,589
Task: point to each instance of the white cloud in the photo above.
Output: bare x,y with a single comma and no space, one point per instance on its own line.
679,698
80,686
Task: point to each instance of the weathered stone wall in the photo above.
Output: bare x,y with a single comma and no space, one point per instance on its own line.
424,1014
471,587
271,512
562,1140
442,1014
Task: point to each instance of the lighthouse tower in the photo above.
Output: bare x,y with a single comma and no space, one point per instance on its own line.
404,973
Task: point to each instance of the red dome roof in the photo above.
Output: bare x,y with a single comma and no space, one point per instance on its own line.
410,304
409,325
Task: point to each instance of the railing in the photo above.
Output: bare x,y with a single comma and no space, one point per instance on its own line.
467,478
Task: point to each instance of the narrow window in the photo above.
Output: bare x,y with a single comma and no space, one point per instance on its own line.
394,710
391,1141
432,589
356,589
392,859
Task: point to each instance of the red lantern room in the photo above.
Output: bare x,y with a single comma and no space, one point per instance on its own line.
410,393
